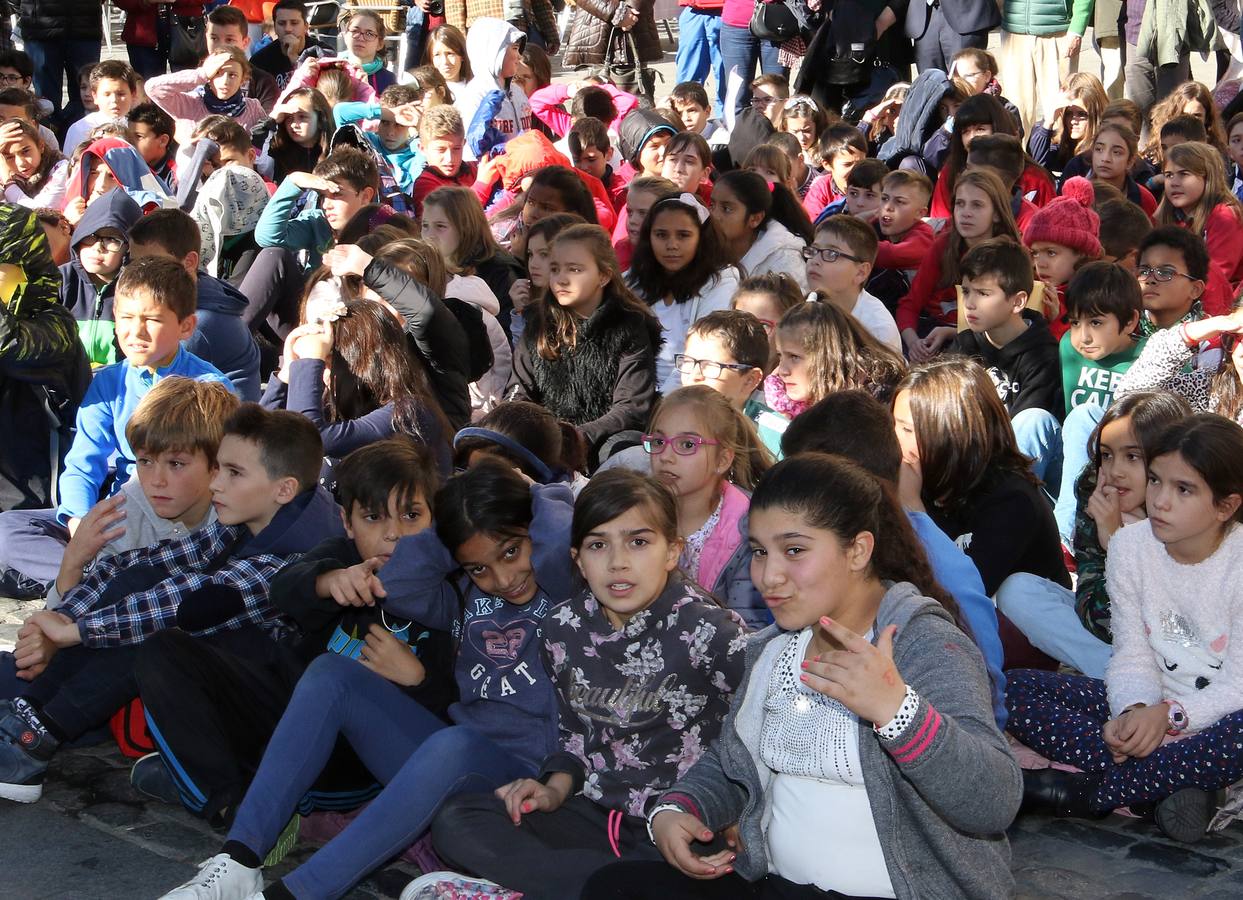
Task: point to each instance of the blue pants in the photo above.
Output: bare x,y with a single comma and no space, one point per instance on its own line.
148,62
1039,435
740,51
32,543
1045,612
54,62
699,51
1077,430
421,762
1061,717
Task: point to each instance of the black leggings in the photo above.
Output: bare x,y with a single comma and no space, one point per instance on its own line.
640,880
273,282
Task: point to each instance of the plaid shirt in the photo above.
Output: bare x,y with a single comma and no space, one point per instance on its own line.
199,561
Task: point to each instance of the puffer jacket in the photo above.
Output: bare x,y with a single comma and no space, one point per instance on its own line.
60,20
592,22
1045,16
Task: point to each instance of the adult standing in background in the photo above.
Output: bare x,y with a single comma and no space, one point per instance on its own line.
741,50
1040,42
593,22
940,28
699,47
146,35
61,36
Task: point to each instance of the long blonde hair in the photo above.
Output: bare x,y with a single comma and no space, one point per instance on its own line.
475,241
725,424
1087,90
1204,161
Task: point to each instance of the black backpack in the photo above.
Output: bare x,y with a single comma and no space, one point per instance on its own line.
479,346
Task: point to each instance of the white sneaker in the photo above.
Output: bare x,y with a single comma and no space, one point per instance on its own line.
220,878
454,886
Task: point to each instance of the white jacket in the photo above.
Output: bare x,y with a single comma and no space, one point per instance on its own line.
489,390
777,249
486,43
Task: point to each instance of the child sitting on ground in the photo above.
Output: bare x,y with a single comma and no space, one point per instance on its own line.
174,433
114,90
441,138
154,307
591,149
1173,272
547,837
840,149
213,88
1062,236
863,192
153,137
396,135
905,238
1014,345
839,263
268,509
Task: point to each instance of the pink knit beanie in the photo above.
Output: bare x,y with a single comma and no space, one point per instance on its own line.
1068,220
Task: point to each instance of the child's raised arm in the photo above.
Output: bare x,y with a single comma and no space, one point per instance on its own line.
416,581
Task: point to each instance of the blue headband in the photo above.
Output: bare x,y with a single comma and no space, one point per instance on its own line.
495,437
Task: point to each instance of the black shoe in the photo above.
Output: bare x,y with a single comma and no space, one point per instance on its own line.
151,777
1185,814
16,586
1060,794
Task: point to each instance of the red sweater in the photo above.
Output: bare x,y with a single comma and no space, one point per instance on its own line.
1224,236
907,252
1034,180
924,296
821,193
431,179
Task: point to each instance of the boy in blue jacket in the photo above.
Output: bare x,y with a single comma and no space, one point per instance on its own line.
269,510
397,137
221,335
155,311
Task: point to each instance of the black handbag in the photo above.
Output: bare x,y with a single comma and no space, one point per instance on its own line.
775,22
187,40
625,68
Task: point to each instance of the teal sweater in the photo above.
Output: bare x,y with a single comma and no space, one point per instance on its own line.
308,230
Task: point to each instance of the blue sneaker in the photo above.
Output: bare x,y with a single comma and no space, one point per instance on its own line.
25,749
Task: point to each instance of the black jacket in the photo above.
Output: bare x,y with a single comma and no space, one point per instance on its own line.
434,334
606,384
61,20
1026,371
319,618
44,371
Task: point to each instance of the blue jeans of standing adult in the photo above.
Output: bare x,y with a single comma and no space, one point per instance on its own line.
699,51
740,51
1077,430
148,62
1045,612
56,61
420,761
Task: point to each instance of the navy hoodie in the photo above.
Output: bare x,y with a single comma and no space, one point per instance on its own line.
506,693
92,306
222,337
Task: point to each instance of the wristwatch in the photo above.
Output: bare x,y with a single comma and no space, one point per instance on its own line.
1177,716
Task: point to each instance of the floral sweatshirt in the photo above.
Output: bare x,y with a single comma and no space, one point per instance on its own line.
639,705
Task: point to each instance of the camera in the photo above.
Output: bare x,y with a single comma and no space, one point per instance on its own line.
436,8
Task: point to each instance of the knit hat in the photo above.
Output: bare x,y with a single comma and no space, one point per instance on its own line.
1068,220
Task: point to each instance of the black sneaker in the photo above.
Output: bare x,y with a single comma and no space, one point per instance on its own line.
1184,815
25,749
151,778
16,586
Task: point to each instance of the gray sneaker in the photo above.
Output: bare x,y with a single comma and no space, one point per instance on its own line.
25,749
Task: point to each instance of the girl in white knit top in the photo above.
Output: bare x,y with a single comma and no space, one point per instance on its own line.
1176,599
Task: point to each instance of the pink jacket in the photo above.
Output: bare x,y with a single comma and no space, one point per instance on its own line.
548,105
723,542
174,93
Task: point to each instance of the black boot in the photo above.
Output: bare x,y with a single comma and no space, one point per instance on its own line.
1060,794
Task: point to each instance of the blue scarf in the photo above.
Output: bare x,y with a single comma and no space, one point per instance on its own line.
233,107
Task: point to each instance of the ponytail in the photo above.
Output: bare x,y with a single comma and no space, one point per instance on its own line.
775,200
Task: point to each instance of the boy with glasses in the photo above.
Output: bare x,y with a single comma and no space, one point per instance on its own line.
839,264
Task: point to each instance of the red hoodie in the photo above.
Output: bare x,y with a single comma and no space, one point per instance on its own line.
924,296
908,251
1034,181
432,178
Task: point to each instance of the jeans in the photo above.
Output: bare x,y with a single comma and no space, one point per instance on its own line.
32,543
1039,435
54,62
421,762
740,51
1149,84
1045,612
1076,432
699,51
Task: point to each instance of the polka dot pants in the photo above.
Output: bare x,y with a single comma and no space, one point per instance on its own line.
1061,717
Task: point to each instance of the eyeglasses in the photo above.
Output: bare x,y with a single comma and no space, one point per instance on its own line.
828,254
12,79
366,35
109,244
1162,274
762,101
683,444
710,368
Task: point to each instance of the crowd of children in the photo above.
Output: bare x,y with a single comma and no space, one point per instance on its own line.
597,499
